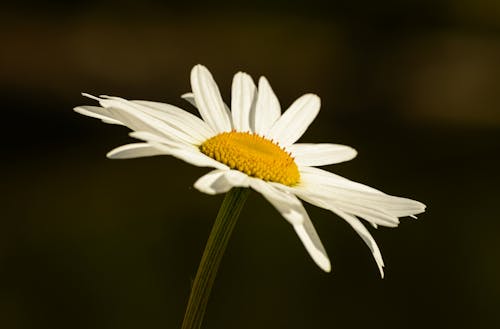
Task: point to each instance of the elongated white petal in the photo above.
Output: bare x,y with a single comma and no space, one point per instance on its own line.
374,215
286,203
197,158
170,120
178,118
151,137
366,236
294,122
136,121
213,183
293,211
221,181
327,185
309,237
209,100
356,225
98,113
91,96
321,154
127,113
243,94
135,150
185,152
194,157
320,175
189,97
267,108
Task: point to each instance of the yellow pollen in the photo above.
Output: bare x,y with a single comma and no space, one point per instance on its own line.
254,155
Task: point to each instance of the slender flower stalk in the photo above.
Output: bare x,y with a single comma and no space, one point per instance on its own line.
210,261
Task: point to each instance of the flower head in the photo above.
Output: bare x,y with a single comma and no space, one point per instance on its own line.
254,145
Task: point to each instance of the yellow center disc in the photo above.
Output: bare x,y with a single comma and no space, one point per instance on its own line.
254,155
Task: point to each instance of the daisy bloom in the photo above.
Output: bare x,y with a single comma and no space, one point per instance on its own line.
253,145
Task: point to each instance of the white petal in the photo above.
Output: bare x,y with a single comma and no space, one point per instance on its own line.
374,215
209,100
129,114
243,94
170,120
366,236
109,113
190,98
213,183
135,121
135,150
267,108
197,159
179,119
327,185
194,157
292,209
357,226
221,181
91,96
150,137
321,154
294,122
98,113
320,175
309,237
188,153
286,203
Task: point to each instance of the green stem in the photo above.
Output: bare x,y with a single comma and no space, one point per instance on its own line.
214,250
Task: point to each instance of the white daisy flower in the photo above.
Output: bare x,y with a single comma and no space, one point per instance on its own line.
254,145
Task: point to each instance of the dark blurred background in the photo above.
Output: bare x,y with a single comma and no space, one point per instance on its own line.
86,242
